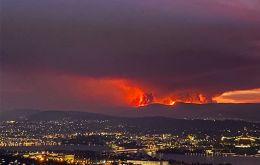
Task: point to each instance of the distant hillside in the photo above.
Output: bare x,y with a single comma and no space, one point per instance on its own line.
168,124
57,115
158,124
248,112
17,114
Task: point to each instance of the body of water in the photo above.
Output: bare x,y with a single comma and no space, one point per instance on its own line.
234,160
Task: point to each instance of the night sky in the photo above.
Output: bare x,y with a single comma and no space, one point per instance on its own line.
87,54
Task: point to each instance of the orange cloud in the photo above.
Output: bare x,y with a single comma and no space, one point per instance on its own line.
239,96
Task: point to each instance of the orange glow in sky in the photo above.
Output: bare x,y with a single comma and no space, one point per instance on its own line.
120,92
239,96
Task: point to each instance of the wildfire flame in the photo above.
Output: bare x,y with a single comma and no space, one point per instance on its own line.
125,92
135,96
148,98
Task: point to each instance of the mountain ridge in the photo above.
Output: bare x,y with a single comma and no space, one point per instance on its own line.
212,111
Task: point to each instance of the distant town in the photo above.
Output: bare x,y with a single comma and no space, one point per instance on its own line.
129,141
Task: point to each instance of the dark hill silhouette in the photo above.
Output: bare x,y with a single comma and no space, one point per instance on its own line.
156,123
249,112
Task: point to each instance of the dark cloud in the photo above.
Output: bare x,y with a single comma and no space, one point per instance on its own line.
176,47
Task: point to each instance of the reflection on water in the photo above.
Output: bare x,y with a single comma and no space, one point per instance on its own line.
234,160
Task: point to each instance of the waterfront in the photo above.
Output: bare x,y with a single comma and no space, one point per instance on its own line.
234,160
